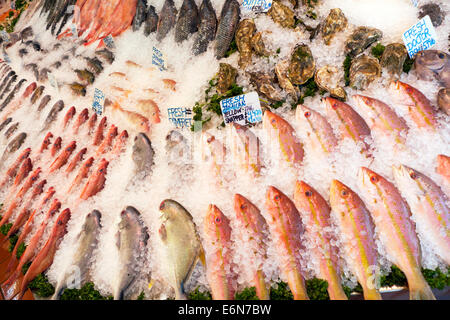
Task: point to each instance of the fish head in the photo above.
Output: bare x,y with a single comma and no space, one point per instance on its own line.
277,201
433,60
101,171
54,207
443,163
400,91
342,195
57,143
371,182
72,146
409,179
306,196
25,154
128,218
217,225
84,113
332,104
304,114
271,120
61,222
92,221
29,89
247,212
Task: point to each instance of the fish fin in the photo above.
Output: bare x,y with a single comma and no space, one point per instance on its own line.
420,290
202,258
151,283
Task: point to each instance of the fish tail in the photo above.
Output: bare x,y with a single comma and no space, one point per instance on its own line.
419,288
371,294
180,294
260,285
297,285
58,292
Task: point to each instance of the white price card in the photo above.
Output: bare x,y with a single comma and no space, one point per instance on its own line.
243,109
420,36
256,5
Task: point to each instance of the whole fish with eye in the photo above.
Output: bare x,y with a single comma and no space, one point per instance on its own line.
206,29
187,22
142,155
11,95
228,22
87,241
57,107
246,149
357,229
167,19
433,64
131,241
180,243
12,147
428,206
397,233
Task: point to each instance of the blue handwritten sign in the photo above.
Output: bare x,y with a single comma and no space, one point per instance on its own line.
109,42
73,28
243,109
5,36
99,101
180,117
420,36
415,3
6,57
158,59
257,5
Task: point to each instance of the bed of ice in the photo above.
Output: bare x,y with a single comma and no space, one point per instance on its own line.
190,182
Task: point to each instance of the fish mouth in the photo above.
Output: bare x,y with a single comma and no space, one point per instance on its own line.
96,215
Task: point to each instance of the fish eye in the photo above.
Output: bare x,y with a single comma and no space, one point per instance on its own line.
334,106
308,193
277,197
101,170
218,220
243,206
374,179
307,114
344,193
412,174
161,206
409,90
272,121
441,55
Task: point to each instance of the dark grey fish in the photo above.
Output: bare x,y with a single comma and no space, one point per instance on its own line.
5,123
167,19
131,242
65,17
48,4
187,22
12,94
13,146
26,33
37,94
36,46
57,107
229,19
56,13
106,54
8,85
43,74
87,241
206,29
56,65
32,67
11,130
151,23
142,155
23,52
6,79
141,14
44,101
95,65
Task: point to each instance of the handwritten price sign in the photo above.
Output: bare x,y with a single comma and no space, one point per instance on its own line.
420,36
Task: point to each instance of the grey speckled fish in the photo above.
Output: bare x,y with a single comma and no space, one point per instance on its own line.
12,147
229,19
44,101
143,155
131,242
187,22
57,107
167,19
151,23
5,123
140,16
86,243
12,94
8,85
37,94
206,29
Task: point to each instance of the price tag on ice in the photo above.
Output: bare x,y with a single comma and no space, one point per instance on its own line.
13,5
180,117
6,57
73,29
256,5
243,109
415,3
420,36
98,104
5,36
158,59
52,80
109,42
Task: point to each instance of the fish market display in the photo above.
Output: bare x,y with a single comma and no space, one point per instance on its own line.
300,152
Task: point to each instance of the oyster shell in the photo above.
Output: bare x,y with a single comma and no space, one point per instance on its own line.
282,15
244,35
226,77
335,22
281,71
264,85
328,78
258,45
360,39
302,65
393,57
363,71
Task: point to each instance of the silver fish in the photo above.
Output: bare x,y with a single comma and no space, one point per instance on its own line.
206,29
12,147
142,155
167,19
131,241
11,130
229,19
187,22
57,107
12,94
44,101
87,242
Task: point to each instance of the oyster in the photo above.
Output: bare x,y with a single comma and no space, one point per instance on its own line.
328,78
281,71
393,57
227,76
360,39
244,35
258,45
443,100
363,71
335,22
264,85
282,15
433,10
302,65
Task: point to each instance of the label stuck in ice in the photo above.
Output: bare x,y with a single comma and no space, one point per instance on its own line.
99,102
74,31
5,36
256,5
243,109
415,3
109,42
158,59
421,36
52,80
13,5
6,57
180,117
